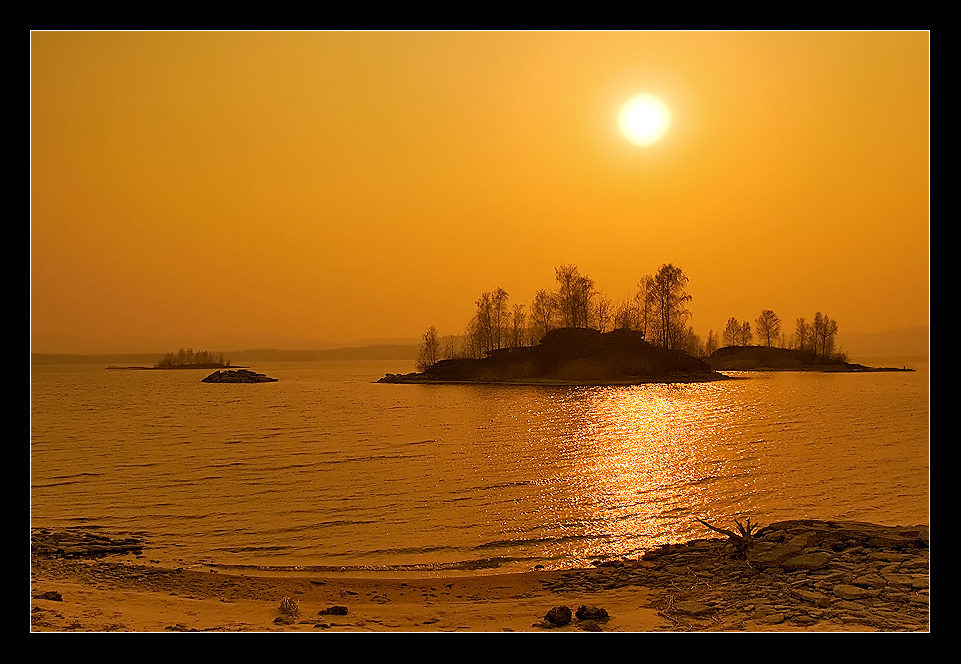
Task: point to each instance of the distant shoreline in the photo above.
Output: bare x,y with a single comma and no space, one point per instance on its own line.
388,352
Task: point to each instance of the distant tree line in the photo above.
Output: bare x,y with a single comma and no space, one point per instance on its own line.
187,357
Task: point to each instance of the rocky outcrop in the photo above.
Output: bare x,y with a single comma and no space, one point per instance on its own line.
571,355
794,575
80,544
237,376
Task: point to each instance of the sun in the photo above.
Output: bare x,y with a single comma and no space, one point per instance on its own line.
644,119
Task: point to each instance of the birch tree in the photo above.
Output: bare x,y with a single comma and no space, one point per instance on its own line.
429,351
667,295
732,332
575,293
768,326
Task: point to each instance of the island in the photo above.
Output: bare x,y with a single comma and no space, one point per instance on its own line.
769,358
579,356
585,356
186,359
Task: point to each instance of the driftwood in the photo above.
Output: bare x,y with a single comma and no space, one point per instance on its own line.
742,540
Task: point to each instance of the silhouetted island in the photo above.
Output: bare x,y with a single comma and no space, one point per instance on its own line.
571,356
769,358
187,358
178,366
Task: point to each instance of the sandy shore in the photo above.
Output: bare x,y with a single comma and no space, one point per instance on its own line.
696,586
99,596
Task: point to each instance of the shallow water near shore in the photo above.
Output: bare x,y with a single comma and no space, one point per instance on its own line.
327,469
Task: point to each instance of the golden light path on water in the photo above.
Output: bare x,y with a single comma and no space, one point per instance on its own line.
650,446
642,458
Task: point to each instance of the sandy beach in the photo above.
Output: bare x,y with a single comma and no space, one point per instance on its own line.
697,586
100,599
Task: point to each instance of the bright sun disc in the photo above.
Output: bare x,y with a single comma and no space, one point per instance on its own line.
644,119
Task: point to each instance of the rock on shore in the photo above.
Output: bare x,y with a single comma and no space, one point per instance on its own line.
81,544
797,573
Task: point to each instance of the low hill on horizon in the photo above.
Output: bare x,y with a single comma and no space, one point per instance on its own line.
373,352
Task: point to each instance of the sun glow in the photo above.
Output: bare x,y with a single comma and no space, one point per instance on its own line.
644,119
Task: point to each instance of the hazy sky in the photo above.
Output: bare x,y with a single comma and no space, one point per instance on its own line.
231,190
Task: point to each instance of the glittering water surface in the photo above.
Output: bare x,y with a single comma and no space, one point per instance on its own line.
327,468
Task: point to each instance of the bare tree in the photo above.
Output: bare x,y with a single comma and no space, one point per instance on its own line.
830,332
732,332
499,301
823,332
802,334
518,328
768,326
711,344
543,313
746,335
644,300
667,295
482,327
689,342
817,333
603,313
450,347
473,342
429,351
574,295
626,315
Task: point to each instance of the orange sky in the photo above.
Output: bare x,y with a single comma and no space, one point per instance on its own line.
232,190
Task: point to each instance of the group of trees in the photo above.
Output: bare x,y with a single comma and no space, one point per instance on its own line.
817,337
658,309
188,358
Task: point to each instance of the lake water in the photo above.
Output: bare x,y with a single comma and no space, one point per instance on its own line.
326,468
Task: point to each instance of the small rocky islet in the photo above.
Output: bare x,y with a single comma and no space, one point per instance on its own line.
237,376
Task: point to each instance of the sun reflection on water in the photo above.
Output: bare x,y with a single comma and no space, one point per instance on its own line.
644,461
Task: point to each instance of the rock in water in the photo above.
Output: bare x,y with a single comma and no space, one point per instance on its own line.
237,376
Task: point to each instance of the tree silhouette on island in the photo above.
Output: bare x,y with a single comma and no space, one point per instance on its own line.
188,359
582,337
